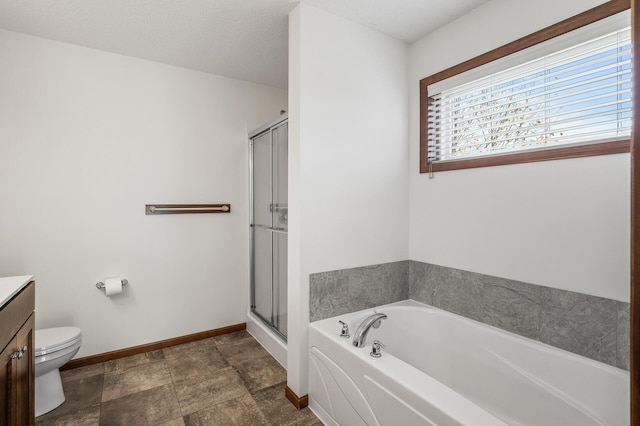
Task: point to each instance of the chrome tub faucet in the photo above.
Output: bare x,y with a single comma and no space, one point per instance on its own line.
361,333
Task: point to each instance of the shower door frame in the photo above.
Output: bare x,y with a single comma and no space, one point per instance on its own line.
267,128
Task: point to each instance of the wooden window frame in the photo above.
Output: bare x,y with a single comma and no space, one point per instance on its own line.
585,18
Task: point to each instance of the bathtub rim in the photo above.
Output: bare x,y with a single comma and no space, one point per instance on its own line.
328,329
411,303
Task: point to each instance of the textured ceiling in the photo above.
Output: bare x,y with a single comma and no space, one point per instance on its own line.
406,20
243,39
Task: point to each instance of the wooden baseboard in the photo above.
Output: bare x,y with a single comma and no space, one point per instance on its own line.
120,353
298,401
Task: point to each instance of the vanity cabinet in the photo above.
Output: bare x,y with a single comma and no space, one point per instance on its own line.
17,366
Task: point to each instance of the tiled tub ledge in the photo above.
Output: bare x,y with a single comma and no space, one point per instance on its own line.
591,326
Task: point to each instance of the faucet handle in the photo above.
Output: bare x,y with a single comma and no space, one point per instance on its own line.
344,333
376,349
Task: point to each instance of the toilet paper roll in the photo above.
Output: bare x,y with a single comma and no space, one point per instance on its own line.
113,286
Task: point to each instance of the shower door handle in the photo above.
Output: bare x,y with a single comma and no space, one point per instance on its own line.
276,230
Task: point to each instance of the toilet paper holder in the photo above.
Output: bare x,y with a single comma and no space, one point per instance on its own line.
100,285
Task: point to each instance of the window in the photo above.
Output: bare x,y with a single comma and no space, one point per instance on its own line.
568,96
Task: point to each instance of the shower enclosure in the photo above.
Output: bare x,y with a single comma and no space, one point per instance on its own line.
268,148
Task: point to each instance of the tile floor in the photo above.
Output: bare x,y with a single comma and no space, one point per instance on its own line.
225,380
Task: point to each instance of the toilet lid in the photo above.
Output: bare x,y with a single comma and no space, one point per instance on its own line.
54,339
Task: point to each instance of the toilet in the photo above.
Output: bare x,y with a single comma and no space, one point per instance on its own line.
53,348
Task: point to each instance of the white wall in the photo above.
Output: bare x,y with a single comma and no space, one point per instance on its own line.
348,153
87,138
562,224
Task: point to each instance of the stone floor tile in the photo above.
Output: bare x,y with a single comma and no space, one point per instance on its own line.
307,422
180,350
79,394
149,407
195,363
175,422
232,338
85,416
133,361
261,372
241,411
82,372
193,396
135,379
241,351
224,380
275,407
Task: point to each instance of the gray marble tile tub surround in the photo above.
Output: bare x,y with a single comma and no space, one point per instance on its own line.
348,290
591,326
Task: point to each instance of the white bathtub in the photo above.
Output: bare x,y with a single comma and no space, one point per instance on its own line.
443,369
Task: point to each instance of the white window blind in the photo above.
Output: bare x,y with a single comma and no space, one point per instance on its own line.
574,95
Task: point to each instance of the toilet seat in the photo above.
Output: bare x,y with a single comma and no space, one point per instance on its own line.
51,340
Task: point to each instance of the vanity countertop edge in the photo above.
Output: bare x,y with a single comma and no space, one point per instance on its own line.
10,286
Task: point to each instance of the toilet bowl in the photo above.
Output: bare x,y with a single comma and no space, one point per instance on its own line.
53,348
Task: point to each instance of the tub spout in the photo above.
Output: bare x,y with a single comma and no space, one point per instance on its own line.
363,328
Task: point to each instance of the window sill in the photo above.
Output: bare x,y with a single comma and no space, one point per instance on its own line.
617,147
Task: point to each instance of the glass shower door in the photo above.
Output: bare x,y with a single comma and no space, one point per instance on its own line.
269,152
280,219
262,222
